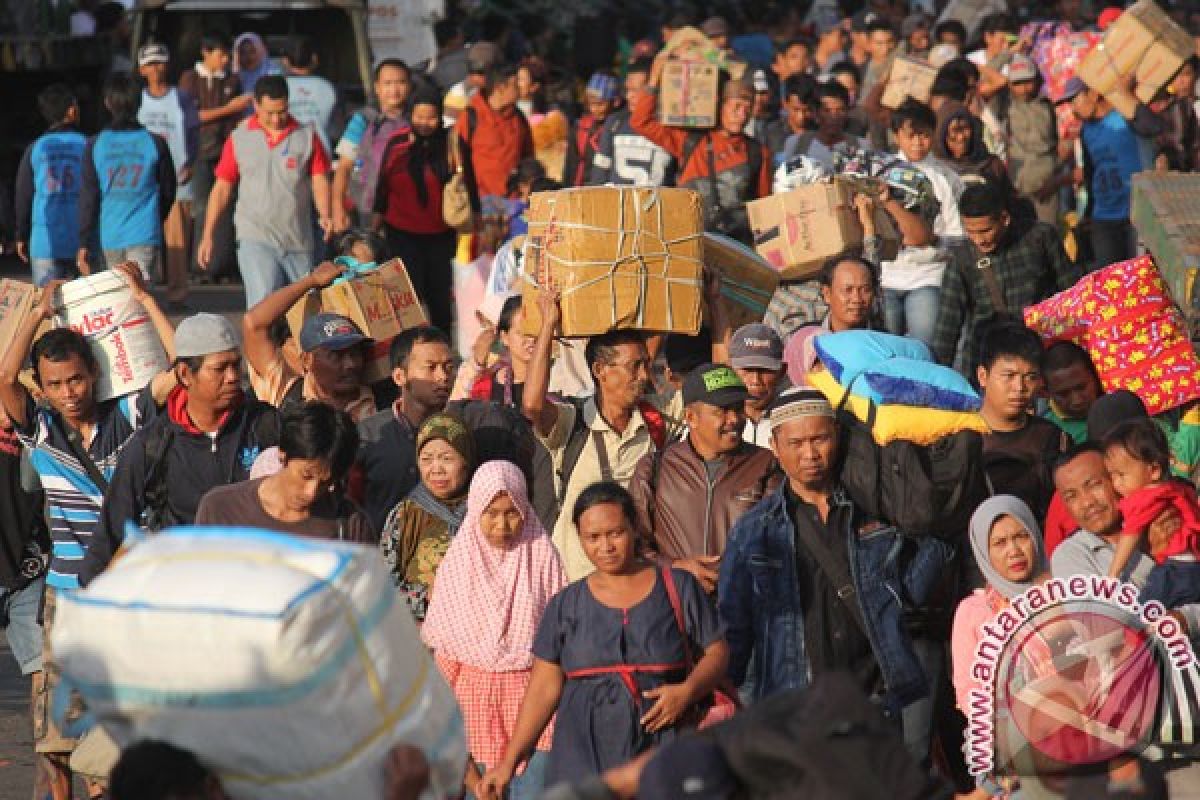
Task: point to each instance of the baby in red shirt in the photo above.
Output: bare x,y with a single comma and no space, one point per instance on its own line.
1138,459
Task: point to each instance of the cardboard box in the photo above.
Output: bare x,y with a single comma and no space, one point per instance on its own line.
17,301
621,256
748,282
381,303
910,77
688,96
1144,43
800,230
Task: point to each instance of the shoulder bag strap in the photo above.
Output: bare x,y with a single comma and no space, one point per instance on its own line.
677,608
992,283
75,442
837,574
712,174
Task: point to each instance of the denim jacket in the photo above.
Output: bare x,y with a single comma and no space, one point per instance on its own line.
759,587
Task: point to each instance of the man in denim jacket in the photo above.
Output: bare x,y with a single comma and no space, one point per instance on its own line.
811,584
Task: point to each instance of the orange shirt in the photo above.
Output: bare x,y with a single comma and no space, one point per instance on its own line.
499,141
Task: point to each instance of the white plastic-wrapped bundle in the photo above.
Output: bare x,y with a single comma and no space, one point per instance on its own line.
287,665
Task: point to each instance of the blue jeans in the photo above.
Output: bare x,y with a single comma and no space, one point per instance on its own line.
913,312
23,631
266,268
51,269
529,784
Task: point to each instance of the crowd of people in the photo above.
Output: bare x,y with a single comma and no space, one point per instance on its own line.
606,542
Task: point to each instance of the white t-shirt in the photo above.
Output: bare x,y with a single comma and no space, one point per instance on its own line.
918,267
165,116
311,100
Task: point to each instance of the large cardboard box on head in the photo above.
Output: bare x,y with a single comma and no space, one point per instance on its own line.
910,77
689,94
381,302
621,257
798,231
1165,211
748,282
1143,43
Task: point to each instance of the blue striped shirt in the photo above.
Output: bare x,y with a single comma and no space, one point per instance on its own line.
73,499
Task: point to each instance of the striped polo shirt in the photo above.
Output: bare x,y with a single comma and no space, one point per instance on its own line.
72,498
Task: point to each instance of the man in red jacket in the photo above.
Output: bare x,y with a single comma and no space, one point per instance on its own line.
724,165
493,134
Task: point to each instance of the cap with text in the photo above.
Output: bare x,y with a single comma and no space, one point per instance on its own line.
756,346
715,385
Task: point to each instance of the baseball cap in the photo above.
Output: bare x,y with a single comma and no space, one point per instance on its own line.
153,54
743,88
756,346
690,767
602,86
863,20
1074,86
482,56
204,334
714,384
715,26
1021,68
332,331
1107,17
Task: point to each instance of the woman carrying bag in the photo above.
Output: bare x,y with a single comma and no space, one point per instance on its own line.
417,167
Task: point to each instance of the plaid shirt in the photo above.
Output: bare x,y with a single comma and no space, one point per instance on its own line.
1030,266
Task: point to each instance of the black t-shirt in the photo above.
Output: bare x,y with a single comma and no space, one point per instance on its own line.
1019,462
20,519
832,635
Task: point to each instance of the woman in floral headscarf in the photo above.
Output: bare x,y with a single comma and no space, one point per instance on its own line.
420,528
493,585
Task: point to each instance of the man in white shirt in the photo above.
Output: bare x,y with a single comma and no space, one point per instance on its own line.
912,282
311,98
172,114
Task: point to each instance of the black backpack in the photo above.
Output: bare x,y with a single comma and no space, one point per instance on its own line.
826,742
501,432
921,489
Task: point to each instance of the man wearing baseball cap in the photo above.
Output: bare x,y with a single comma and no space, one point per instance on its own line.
689,494
756,355
208,436
1032,139
172,115
724,165
584,142
333,351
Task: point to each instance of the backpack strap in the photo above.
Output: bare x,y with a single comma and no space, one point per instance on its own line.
754,157
576,439
154,509
689,147
656,423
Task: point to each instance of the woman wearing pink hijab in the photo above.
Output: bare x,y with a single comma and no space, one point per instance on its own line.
492,587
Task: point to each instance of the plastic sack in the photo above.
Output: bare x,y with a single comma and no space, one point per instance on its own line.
287,665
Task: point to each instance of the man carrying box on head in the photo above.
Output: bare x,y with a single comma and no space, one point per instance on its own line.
599,438
689,494
724,165
74,443
333,352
